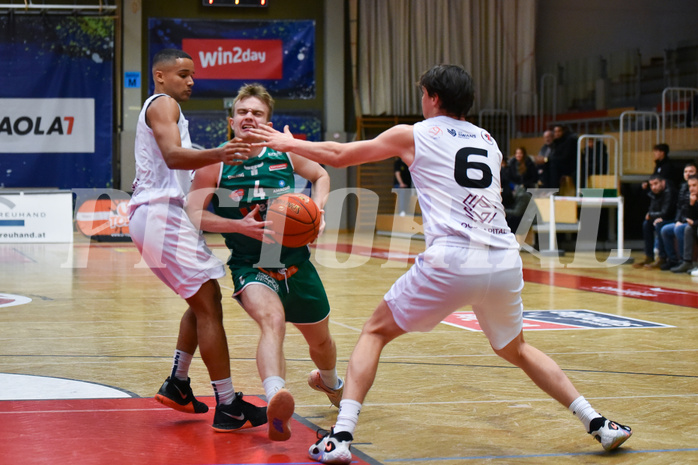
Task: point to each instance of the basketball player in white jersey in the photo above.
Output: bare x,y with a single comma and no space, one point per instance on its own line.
175,250
471,256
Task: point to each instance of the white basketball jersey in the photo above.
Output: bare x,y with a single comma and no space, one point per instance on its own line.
456,172
154,180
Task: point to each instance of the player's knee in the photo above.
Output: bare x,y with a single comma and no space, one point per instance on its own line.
272,321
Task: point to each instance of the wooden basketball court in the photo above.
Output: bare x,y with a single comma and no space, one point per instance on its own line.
91,315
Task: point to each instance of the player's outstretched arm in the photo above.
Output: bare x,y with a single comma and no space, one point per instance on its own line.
162,116
317,175
397,141
202,190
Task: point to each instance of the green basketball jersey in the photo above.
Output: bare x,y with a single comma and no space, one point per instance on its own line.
241,187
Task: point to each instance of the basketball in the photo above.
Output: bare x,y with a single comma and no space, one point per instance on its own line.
295,218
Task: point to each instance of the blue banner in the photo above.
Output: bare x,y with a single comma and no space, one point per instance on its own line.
56,101
228,54
210,128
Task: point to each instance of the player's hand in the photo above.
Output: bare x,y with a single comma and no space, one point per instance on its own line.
235,151
251,227
266,136
322,226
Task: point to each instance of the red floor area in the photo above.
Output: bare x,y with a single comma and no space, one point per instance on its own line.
135,431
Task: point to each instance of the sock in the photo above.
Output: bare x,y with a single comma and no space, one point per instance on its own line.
272,385
224,391
348,416
330,378
584,411
180,365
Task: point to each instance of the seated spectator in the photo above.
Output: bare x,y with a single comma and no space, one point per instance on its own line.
563,160
673,233
661,210
522,170
542,159
664,167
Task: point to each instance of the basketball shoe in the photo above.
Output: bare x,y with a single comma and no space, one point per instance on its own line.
332,447
238,415
177,394
315,382
609,433
279,413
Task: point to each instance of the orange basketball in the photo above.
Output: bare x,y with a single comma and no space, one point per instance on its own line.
295,219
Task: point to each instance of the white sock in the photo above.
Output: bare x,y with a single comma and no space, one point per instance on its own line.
348,416
272,385
584,411
224,391
180,365
330,378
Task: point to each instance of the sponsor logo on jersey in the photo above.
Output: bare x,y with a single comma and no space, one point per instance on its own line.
478,208
239,175
487,138
460,134
435,132
281,189
280,166
237,195
254,167
268,280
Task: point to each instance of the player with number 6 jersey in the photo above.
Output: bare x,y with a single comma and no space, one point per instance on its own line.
458,158
471,256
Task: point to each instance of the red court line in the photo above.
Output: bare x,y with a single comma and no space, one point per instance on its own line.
550,278
136,431
611,287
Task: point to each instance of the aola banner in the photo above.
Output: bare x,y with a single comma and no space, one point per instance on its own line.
47,125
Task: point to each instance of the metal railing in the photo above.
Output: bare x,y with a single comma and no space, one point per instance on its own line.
598,162
639,133
679,113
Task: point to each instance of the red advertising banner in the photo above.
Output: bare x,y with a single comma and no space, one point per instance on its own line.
236,58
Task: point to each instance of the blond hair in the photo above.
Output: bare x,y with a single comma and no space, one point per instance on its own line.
255,90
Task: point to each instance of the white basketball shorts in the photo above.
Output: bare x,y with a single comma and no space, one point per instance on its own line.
447,277
173,248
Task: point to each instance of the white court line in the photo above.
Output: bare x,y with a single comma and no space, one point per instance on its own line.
406,358
358,330
509,401
369,404
492,354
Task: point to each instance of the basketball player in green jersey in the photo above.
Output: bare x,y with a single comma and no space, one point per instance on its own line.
274,284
